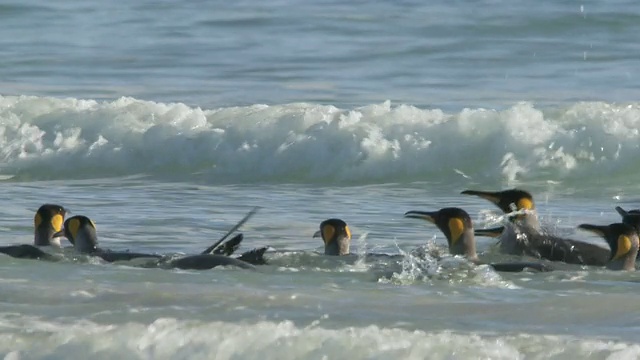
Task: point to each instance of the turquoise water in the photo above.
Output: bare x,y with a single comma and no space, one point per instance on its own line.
167,122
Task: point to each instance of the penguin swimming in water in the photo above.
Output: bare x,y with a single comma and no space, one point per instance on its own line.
81,232
624,243
523,234
47,223
457,227
336,235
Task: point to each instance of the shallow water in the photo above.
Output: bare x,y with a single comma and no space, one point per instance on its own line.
304,303
167,122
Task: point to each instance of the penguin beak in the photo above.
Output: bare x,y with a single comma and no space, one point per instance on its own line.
317,234
59,233
491,196
596,229
430,216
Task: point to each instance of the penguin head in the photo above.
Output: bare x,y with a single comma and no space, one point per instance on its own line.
81,232
507,200
623,241
336,236
48,224
456,226
631,217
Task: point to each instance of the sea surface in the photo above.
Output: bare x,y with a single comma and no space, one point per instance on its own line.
166,122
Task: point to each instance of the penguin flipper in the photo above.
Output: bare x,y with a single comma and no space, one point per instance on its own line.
228,247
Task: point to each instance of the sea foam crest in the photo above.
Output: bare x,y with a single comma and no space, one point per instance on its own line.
50,138
170,338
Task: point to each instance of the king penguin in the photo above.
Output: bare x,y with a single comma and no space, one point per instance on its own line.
456,225
623,240
81,232
47,223
336,235
524,236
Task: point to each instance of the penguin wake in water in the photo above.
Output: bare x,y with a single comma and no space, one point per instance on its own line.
457,227
48,222
523,234
82,233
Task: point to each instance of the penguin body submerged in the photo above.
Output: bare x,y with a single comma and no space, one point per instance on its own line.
81,232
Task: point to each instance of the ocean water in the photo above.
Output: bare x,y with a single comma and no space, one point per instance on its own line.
166,122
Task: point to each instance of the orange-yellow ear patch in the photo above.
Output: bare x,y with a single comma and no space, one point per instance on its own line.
73,226
456,228
56,222
37,220
328,231
525,204
348,232
624,246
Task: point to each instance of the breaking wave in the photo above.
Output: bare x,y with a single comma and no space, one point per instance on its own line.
45,138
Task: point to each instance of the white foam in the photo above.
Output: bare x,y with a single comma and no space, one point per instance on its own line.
43,138
170,338
426,264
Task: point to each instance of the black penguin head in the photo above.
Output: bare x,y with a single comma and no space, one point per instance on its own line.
454,223
507,200
336,236
631,217
622,239
48,224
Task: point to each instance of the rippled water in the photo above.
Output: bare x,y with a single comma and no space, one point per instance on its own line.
166,122
303,304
